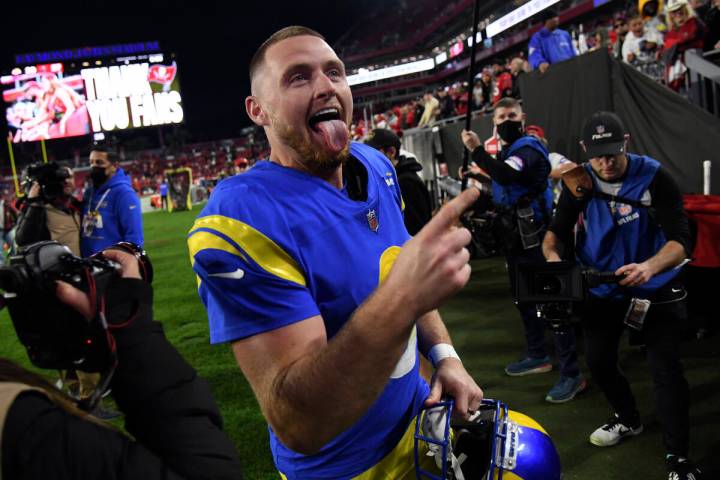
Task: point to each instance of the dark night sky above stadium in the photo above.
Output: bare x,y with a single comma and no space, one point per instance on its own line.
213,43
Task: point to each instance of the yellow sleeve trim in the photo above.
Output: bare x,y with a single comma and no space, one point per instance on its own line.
200,240
402,204
265,252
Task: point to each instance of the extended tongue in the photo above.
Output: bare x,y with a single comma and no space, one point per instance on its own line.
335,133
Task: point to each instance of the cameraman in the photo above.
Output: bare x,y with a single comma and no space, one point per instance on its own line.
50,211
169,411
521,188
643,237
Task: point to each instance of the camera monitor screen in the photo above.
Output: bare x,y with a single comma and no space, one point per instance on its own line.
69,99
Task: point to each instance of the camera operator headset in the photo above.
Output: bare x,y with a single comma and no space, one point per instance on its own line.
630,221
169,411
522,191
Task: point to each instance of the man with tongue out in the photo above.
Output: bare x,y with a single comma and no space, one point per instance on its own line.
306,268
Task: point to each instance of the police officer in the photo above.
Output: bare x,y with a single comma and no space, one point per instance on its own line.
521,189
632,224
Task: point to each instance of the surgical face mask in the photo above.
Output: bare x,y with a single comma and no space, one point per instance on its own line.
510,130
98,176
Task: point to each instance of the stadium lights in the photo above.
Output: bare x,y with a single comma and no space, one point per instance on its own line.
390,72
518,15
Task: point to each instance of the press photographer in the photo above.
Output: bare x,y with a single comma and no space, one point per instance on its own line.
630,222
51,212
101,320
523,197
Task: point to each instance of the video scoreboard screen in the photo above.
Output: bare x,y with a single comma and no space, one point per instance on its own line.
68,99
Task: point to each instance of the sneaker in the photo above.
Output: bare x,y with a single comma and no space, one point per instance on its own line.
565,389
528,366
679,468
614,431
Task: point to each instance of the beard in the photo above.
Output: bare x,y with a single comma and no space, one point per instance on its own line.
313,157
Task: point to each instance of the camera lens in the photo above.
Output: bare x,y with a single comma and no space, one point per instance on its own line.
548,284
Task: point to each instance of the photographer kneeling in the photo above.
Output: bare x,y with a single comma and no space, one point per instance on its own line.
169,411
631,223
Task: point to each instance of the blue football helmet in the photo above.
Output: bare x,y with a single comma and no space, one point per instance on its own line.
494,444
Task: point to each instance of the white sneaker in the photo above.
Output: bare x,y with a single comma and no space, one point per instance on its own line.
614,431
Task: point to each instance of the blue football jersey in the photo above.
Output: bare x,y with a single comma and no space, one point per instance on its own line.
275,246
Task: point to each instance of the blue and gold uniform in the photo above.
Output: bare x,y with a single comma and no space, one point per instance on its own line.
276,246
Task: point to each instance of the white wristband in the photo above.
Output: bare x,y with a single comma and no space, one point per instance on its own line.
440,352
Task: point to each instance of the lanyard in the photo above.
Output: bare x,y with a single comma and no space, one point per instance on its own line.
97,205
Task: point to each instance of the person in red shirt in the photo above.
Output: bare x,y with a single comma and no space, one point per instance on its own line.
686,32
503,82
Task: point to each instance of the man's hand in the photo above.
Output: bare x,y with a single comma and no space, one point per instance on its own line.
470,140
452,379
553,257
636,274
79,300
434,264
543,67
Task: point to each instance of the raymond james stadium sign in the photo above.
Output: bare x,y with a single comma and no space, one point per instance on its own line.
87,52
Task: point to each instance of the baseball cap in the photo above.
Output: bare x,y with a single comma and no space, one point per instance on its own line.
383,138
674,5
603,134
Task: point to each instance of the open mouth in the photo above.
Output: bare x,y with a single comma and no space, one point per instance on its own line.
324,115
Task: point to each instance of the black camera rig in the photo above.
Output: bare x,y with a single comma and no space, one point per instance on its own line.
555,286
55,335
50,176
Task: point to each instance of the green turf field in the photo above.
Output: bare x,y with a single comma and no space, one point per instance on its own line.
487,332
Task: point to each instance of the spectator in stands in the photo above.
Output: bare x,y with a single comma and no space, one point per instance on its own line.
686,32
111,208
430,111
618,35
651,11
520,182
418,208
550,44
483,90
516,71
503,82
642,43
447,104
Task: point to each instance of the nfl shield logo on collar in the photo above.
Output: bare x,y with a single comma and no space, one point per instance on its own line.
372,221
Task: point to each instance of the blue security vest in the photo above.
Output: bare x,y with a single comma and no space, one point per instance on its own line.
508,195
611,239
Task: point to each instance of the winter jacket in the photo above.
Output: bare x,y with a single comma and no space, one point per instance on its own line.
418,209
550,47
117,218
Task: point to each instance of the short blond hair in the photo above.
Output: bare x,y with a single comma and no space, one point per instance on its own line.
282,34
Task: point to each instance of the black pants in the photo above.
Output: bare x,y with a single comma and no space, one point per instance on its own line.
603,326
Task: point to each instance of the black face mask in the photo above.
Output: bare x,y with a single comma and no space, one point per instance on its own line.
510,130
98,176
